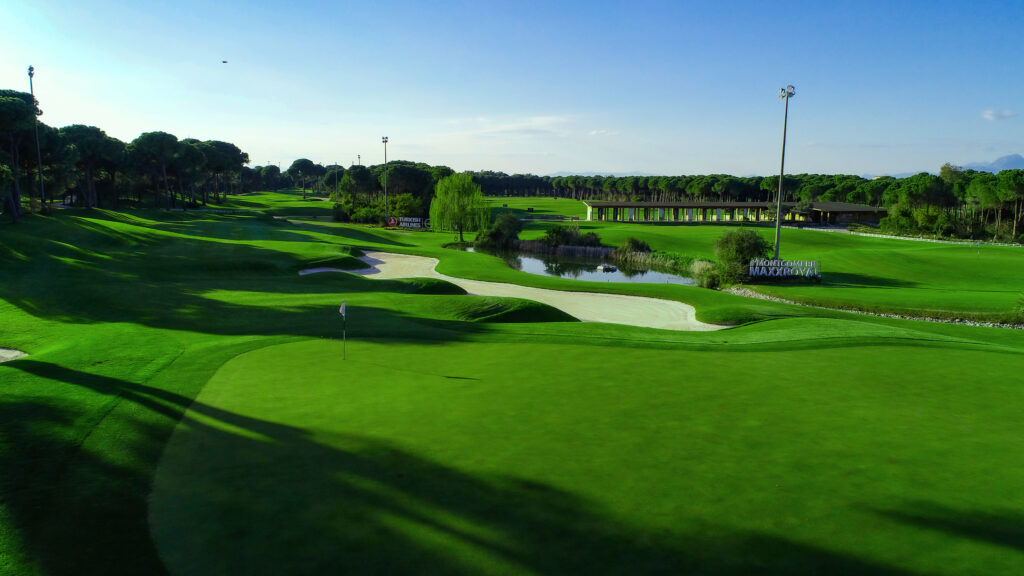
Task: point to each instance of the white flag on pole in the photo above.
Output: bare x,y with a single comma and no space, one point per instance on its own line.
342,309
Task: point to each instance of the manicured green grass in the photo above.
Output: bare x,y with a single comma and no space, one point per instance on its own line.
859,273
280,203
541,207
560,458
579,448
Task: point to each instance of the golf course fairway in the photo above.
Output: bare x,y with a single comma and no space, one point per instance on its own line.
184,408
557,458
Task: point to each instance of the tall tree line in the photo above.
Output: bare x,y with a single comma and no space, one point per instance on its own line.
955,202
84,166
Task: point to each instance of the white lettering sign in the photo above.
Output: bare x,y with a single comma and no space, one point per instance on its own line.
765,268
414,222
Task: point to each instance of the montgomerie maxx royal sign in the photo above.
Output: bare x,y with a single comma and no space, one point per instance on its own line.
763,268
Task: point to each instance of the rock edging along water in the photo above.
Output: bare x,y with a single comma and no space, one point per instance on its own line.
586,306
8,354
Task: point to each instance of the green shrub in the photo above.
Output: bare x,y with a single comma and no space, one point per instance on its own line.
405,205
732,272
588,239
341,213
634,245
740,247
945,226
899,221
705,273
925,219
368,215
569,236
503,234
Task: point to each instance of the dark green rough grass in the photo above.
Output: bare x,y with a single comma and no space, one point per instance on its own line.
126,316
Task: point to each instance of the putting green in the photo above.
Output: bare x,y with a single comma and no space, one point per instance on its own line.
561,458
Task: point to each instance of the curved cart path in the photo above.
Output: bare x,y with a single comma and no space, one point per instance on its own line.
585,306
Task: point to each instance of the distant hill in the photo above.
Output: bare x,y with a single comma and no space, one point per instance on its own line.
1011,162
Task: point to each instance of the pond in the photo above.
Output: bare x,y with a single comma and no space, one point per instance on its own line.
587,270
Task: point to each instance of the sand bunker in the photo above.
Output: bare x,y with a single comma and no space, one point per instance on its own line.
7,354
586,306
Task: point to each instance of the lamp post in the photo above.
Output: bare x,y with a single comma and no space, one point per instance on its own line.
39,153
784,94
385,141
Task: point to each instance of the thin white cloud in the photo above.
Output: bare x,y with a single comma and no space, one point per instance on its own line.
993,114
603,133
527,126
535,125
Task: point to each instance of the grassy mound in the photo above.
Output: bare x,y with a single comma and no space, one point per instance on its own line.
346,259
489,309
428,286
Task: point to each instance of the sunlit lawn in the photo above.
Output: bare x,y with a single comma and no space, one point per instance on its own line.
806,441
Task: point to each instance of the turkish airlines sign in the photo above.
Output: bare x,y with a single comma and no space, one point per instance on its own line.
414,222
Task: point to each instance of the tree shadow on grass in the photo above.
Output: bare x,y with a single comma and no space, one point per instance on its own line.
349,504
850,280
239,494
1002,527
358,236
139,278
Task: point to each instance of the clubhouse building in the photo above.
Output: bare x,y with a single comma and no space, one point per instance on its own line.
821,213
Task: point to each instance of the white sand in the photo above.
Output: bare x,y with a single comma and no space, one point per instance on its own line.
6,354
585,306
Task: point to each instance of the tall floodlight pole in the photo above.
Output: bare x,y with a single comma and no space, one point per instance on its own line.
39,152
784,94
385,141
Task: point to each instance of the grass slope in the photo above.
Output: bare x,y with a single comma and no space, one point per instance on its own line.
554,459
127,316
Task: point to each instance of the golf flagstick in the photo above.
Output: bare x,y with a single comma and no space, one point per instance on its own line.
344,329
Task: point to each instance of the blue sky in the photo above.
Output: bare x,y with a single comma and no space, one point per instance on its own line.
539,87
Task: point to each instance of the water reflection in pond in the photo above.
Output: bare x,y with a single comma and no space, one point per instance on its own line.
587,270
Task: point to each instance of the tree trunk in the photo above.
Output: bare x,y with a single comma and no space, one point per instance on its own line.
16,191
90,188
1016,218
113,188
12,207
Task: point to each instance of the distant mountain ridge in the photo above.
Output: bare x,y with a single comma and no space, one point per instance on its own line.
1009,162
